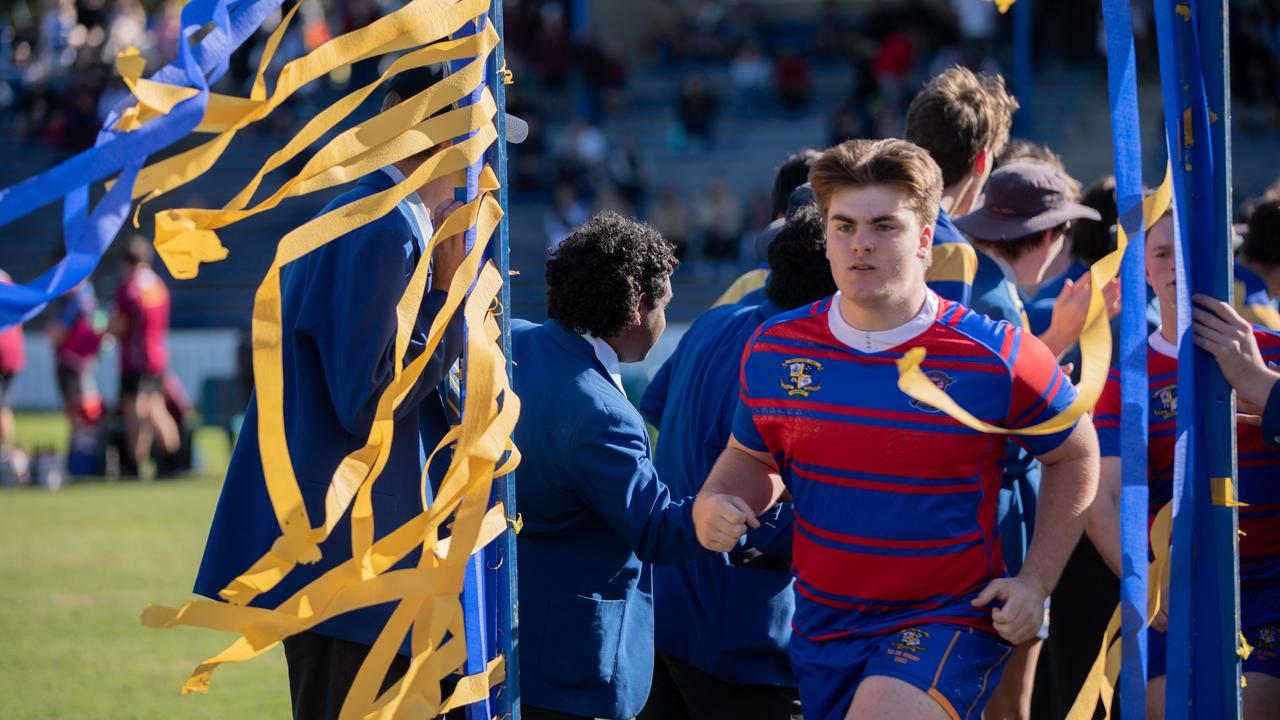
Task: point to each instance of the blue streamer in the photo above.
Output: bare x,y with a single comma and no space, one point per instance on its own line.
1122,82
476,588
1203,671
122,154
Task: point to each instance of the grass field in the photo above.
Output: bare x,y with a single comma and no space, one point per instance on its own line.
76,569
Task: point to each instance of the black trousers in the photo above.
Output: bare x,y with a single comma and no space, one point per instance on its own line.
322,669
1079,610
683,692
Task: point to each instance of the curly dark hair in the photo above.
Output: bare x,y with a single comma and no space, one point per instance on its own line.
792,173
597,274
1092,239
1262,240
799,272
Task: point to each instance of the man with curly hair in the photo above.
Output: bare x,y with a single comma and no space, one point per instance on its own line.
896,552
595,513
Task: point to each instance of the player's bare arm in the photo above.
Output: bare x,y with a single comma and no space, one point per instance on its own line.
743,484
1068,483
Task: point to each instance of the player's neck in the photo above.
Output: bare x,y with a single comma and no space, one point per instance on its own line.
886,314
1169,323
958,199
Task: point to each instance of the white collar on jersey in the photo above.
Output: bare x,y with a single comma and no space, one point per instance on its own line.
869,341
1162,346
608,357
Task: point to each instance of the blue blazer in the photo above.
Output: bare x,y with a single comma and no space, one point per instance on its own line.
339,332
595,515
730,621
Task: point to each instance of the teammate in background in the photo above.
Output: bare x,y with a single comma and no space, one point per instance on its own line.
1018,233
749,287
1258,469
721,631
75,332
13,358
596,514
896,574
962,119
1257,268
141,326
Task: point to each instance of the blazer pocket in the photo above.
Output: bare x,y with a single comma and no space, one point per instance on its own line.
583,650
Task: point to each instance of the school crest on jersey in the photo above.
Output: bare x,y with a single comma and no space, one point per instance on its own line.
911,640
1164,402
939,379
800,379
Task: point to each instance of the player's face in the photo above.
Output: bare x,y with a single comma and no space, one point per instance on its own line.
876,244
652,323
1162,272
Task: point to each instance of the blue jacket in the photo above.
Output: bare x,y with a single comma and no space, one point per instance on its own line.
998,297
339,328
730,621
595,515
1271,417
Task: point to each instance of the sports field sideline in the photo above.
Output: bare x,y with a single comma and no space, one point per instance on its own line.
76,568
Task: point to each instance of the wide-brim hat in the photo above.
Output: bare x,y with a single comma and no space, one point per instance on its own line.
1023,198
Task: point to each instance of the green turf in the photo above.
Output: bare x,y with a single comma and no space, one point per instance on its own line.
76,569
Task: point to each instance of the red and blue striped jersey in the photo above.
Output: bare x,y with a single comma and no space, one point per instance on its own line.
1258,463
895,502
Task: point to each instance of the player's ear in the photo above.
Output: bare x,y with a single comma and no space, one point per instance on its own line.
926,242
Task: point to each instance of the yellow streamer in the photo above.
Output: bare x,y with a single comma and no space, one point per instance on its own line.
1095,344
428,607
1223,492
1100,683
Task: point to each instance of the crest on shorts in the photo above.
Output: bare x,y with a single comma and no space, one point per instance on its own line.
939,379
1268,638
800,378
1164,402
911,640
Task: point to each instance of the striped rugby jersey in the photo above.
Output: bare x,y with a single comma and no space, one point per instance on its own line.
1258,463
895,502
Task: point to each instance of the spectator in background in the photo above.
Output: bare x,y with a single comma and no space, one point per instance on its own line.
567,213
790,176
12,359
697,107
977,22
750,73
141,326
720,221
793,80
670,217
553,48
628,172
75,332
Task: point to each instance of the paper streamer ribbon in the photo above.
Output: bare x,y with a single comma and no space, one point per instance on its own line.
1095,345
1100,683
122,154
428,605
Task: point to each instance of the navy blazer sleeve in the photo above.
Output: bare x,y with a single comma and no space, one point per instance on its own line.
350,313
1271,417
615,477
